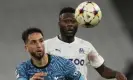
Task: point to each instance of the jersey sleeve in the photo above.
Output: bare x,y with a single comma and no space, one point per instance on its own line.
94,58
71,72
21,73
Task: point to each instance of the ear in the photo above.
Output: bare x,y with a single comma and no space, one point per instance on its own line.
26,48
59,22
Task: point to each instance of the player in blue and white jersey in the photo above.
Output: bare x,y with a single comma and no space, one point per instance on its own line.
43,66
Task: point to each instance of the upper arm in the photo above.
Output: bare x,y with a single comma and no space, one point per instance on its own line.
20,73
71,72
94,58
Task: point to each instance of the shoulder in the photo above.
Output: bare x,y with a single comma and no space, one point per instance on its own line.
50,42
50,39
58,58
23,65
82,41
61,60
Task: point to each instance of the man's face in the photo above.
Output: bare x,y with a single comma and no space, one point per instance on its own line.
35,46
68,24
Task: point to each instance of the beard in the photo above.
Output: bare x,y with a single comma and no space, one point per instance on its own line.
37,55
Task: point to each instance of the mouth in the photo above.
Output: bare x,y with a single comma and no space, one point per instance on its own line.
70,31
39,51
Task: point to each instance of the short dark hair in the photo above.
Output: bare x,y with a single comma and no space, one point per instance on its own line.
67,10
29,31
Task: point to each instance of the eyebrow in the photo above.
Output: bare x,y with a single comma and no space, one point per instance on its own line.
38,39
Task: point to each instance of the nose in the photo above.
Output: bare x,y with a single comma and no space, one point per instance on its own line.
70,24
38,45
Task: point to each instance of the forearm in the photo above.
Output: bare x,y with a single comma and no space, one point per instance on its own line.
106,72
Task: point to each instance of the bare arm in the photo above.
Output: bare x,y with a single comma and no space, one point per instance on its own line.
109,73
106,72
98,63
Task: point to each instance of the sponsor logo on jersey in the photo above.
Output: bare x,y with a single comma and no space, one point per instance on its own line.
78,61
76,73
81,50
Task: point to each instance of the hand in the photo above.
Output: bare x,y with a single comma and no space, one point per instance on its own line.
120,76
38,76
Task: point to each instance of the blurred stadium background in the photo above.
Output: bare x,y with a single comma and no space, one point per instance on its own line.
112,37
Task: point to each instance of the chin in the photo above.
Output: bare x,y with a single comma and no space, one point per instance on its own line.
70,34
39,57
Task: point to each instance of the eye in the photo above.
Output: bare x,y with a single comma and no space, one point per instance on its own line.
65,21
33,42
41,40
73,21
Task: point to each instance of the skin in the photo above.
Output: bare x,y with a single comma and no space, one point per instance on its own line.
35,47
68,27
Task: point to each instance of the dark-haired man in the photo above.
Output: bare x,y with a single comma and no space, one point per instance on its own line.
43,66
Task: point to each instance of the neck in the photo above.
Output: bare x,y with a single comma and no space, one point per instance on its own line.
67,39
42,62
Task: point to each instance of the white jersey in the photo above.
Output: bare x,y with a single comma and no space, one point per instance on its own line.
77,52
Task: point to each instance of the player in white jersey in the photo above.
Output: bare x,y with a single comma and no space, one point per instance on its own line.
79,51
